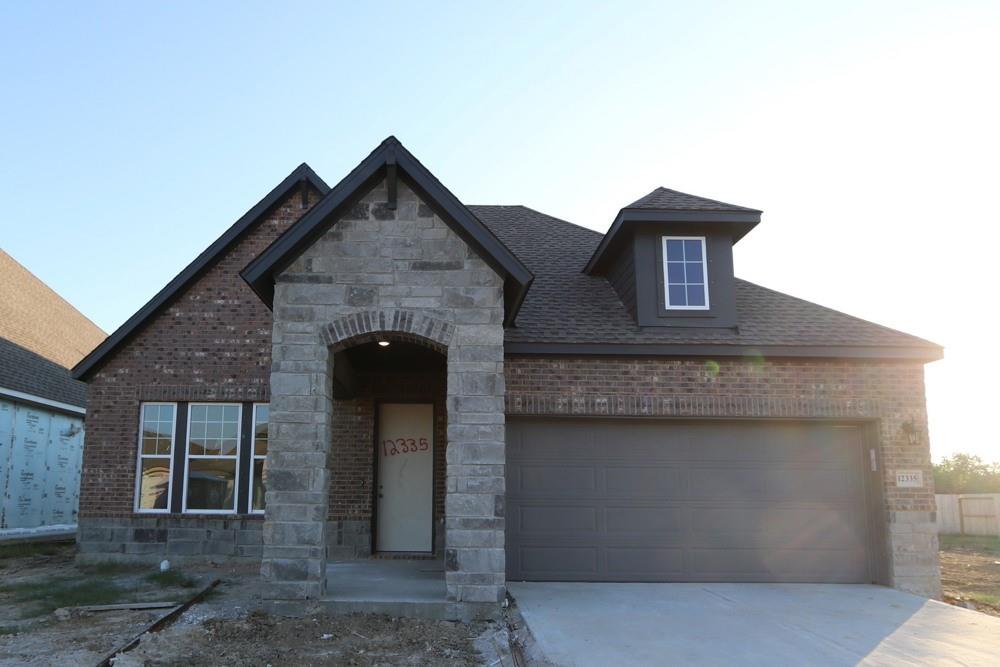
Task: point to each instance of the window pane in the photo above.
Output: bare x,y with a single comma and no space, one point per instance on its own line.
695,273
696,295
213,413
196,446
675,250
259,479
211,484
675,272
227,447
231,413
677,295
154,482
197,413
229,429
150,445
692,250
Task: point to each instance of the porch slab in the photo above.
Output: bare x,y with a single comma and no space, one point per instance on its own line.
410,588
385,580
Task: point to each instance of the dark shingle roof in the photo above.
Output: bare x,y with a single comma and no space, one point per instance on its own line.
565,305
24,371
671,200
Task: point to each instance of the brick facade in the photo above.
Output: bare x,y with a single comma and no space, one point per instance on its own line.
213,342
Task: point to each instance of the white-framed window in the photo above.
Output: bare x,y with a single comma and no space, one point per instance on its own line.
211,474
154,464
258,458
685,273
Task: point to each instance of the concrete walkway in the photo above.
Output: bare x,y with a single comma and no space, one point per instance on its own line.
576,625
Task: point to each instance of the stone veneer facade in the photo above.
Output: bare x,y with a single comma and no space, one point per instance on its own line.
399,273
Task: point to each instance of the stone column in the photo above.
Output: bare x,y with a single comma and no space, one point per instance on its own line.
474,504
293,566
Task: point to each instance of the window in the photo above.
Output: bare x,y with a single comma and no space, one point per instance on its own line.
258,460
685,272
156,447
212,456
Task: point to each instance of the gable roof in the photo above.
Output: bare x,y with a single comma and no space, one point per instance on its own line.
34,317
25,372
302,175
571,312
390,158
674,200
666,206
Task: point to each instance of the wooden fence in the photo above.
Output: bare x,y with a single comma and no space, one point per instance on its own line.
969,513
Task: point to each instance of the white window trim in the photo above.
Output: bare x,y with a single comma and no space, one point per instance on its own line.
140,456
188,456
704,271
254,457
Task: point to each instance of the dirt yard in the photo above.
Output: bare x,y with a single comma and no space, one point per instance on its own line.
970,572
38,583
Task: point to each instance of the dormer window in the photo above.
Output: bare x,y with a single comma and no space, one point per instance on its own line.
685,273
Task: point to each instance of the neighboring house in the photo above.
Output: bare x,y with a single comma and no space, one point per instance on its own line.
41,405
376,367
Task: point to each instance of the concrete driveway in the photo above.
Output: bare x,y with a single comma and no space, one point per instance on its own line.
750,624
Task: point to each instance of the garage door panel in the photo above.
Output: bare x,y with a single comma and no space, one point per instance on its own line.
768,484
645,520
561,561
626,561
617,500
778,527
645,482
553,520
554,480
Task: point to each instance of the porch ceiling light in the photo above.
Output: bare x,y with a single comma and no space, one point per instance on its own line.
383,343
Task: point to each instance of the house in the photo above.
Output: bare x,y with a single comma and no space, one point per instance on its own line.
41,405
376,367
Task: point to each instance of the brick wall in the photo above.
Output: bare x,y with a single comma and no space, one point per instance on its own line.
212,343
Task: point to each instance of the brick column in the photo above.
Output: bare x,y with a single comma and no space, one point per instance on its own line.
474,504
293,566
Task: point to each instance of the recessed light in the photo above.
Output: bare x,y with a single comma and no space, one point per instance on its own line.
383,343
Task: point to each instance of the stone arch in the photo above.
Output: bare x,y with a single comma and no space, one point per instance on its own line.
403,325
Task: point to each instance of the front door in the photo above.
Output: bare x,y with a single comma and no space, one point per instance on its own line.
405,446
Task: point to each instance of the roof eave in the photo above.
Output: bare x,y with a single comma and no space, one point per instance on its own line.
739,222
260,273
301,173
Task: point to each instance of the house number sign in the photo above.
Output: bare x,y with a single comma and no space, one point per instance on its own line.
404,446
909,478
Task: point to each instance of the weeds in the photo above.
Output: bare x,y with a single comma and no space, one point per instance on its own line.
172,578
32,549
979,543
110,568
44,597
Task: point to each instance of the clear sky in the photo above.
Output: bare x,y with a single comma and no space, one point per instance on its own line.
132,134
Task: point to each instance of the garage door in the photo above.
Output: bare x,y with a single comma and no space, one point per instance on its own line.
616,500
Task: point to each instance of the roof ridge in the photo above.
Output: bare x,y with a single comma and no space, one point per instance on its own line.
724,206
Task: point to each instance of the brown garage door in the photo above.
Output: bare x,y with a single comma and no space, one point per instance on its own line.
616,500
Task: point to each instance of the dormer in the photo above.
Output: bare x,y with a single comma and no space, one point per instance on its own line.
669,256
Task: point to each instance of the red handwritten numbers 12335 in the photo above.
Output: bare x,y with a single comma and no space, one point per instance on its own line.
404,446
